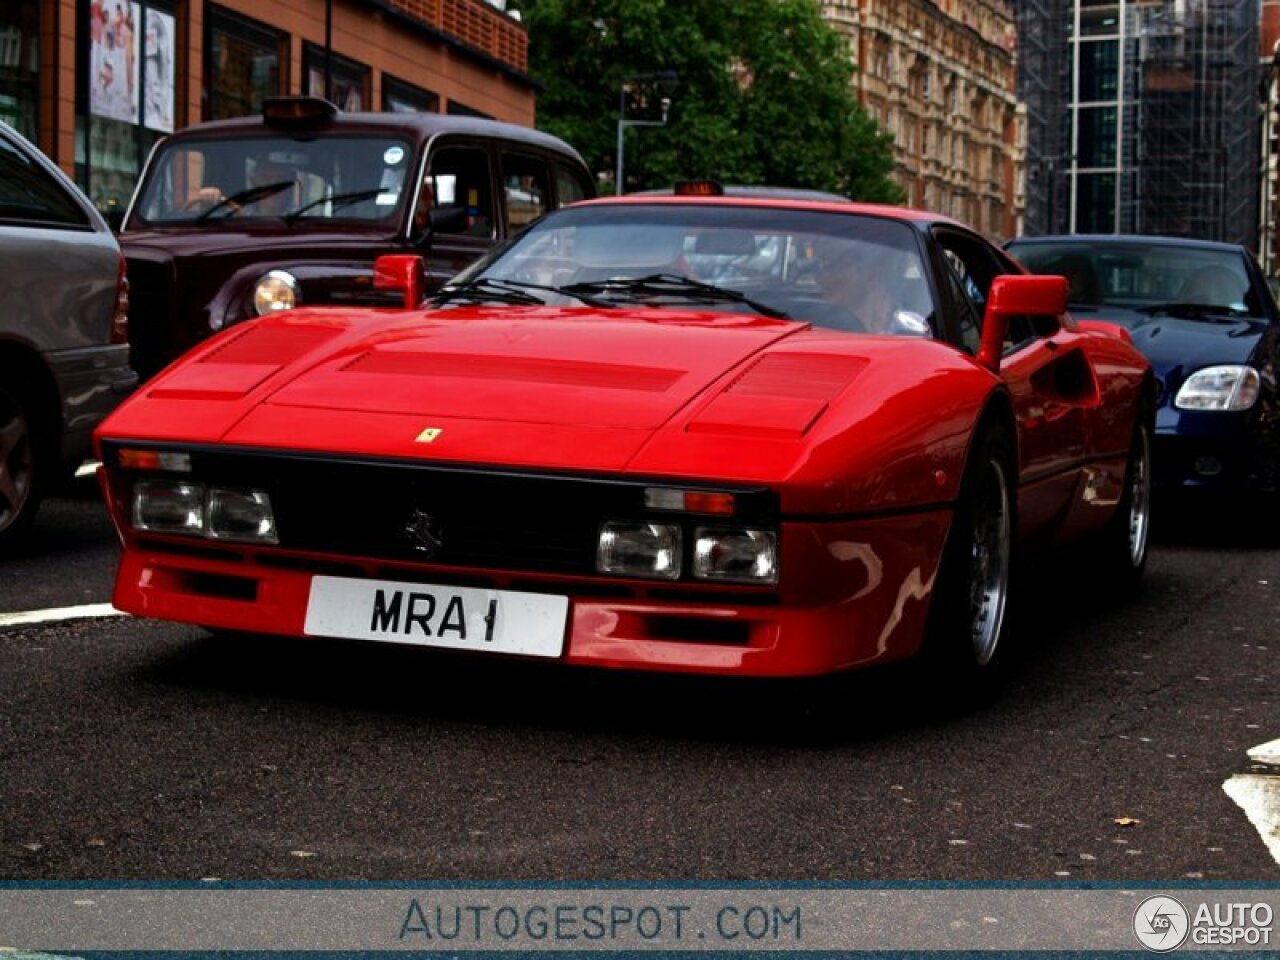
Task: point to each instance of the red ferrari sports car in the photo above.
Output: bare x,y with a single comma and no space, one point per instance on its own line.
744,435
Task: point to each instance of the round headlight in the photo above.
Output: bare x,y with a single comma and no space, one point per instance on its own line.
276,290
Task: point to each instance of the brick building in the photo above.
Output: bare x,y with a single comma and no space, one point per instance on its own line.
940,76
94,83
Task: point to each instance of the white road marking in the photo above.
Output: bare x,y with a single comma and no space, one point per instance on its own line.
1258,795
87,469
84,611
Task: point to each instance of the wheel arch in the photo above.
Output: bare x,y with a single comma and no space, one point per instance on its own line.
24,367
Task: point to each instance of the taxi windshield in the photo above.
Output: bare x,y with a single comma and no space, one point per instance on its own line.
299,179
858,273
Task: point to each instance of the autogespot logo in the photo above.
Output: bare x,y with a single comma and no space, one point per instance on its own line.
1161,923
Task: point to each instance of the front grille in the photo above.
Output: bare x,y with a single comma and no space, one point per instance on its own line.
465,517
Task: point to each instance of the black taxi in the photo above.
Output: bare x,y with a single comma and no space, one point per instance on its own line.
237,218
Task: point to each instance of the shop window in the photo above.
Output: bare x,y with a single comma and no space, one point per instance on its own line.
19,64
348,80
126,99
244,61
401,97
462,110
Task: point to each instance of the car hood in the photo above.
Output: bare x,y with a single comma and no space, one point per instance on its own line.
1177,346
267,240
553,387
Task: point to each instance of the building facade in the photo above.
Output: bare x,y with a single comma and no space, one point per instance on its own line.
1142,116
95,83
940,75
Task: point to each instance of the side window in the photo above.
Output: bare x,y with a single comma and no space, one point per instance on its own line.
570,187
525,188
967,298
29,195
460,193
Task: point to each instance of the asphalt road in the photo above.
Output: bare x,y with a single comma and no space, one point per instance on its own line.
138,749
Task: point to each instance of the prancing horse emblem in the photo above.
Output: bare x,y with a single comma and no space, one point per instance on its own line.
423,533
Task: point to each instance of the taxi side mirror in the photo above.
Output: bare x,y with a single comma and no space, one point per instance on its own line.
400,271
1017,295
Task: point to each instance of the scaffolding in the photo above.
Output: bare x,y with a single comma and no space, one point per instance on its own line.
1044,85
1185,100
1198,120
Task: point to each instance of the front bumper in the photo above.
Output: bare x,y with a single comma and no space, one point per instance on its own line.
852,593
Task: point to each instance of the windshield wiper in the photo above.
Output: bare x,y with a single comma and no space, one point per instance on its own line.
238,201
338,200
512,291
672,285
1214,313
483,288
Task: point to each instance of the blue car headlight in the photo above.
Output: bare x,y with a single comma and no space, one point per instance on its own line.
1223,388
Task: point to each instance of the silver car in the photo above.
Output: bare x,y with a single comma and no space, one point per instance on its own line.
64,355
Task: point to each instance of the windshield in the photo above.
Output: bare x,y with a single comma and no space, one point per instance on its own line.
862,274
1146,278
316,177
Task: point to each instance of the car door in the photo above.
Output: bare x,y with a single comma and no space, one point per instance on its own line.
458,191
1049,377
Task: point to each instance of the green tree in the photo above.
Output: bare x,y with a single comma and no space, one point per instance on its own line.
764,92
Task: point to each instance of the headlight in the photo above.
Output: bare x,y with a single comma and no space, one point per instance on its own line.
639,550
737,556
241,515
276,290
166,506
1232,387
219,513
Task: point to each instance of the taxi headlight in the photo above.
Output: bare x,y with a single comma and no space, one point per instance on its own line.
276,290
735,556
639,549
243,515
167,506
1228,387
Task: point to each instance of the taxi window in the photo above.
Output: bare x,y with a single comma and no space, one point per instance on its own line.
525,190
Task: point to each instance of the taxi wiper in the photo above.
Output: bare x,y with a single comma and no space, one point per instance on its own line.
1214,313
672,285
241,199
511,291
338,200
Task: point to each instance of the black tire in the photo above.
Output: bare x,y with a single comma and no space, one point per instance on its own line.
24,465
968,627
1119,552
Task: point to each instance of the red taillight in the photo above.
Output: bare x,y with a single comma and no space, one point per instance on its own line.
120,319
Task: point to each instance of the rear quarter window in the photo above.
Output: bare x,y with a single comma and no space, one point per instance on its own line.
30,195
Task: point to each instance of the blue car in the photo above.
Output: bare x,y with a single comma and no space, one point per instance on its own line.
1204,316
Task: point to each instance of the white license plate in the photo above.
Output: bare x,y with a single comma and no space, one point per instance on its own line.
460,618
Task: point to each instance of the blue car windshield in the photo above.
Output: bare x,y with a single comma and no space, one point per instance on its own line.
862,274
1145,279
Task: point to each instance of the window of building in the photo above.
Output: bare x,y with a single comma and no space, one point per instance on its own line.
1096,137
401,97
462,110
125,96
1095,203
244,63
348,85
1099,70
19,64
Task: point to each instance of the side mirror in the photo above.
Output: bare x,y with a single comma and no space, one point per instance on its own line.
400,271
1015,295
